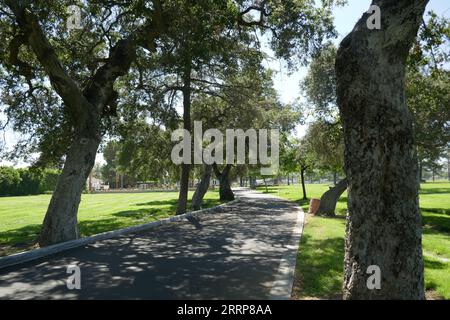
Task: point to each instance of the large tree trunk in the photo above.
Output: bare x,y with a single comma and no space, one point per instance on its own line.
225,192
60,222
202,188
330,198
384,226
185,168
184,189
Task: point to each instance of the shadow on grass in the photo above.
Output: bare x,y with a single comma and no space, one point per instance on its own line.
171,203
303,202
17,240
434,264
433,220
140,214
435,191
444,211
270,191
24,238
92,227
435,277
320,268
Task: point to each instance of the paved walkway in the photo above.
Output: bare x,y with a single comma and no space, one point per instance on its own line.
241,251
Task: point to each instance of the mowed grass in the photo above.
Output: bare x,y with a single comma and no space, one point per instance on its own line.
319,271
21,217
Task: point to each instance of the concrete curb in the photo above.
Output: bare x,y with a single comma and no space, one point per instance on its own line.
28,256
284,281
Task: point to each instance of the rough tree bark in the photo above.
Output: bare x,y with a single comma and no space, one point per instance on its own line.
185,168
384,224
226,194
202,188
85,108
60,222
330,198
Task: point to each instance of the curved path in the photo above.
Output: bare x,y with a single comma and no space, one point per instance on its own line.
246,250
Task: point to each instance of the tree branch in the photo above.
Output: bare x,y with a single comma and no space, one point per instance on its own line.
99,90
65,86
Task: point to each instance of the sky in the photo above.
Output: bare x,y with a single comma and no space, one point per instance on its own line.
345,19
287,85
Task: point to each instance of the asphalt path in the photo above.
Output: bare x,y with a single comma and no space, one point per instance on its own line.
245,250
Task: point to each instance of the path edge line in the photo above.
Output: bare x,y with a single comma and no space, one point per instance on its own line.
284,280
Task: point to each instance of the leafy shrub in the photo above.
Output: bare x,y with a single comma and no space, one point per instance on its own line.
21,182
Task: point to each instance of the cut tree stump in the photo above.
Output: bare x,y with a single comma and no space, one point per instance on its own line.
314,206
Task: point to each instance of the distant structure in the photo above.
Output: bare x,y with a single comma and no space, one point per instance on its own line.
95,184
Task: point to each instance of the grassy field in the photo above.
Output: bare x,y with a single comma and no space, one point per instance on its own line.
21,217
320,261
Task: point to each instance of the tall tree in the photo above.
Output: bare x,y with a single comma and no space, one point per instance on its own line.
319,85
197,51
110,169
144,153
296,157
325,143
82,69
326,147
428,80
384,225
247,100
207,36
325,136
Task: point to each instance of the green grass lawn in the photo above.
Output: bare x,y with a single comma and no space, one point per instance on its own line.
21,217
319,271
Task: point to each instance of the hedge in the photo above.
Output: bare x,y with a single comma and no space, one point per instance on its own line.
21,182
